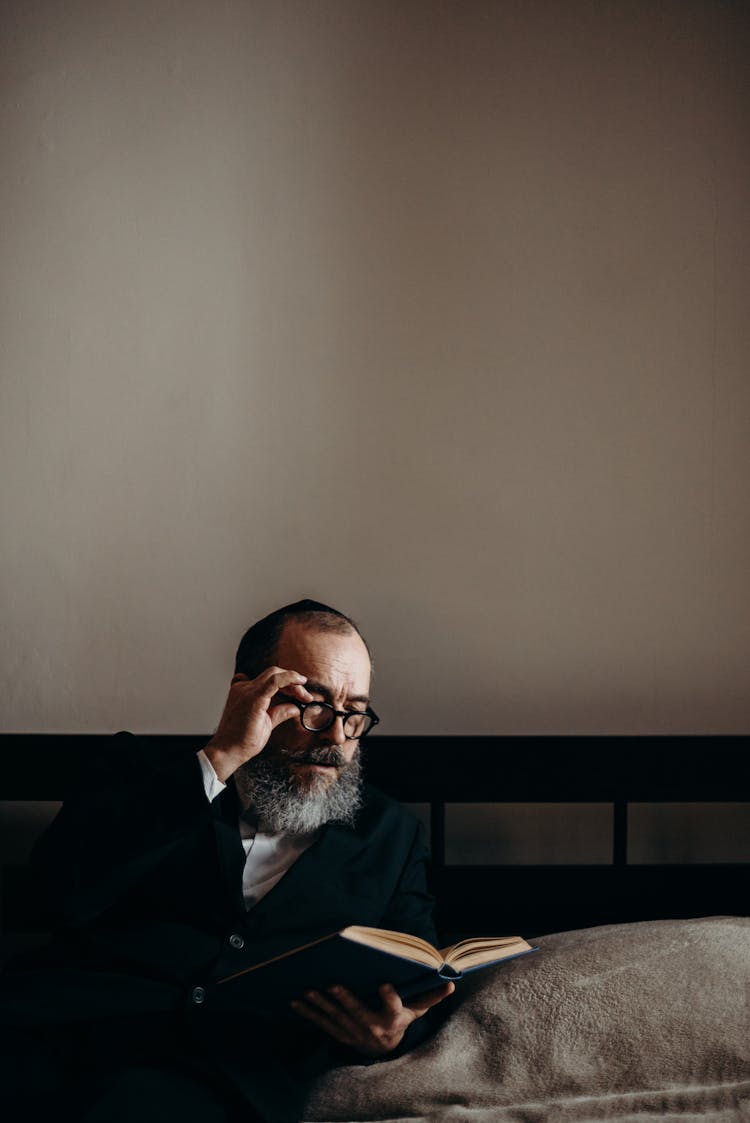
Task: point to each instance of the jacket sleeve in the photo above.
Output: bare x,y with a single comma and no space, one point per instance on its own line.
128,815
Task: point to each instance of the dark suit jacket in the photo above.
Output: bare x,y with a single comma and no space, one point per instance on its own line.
145,877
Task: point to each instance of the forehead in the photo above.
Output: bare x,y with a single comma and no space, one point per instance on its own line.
338,660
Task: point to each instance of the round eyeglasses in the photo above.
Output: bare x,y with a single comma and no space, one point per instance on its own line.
316,717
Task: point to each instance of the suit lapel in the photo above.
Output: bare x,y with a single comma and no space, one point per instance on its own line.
318,879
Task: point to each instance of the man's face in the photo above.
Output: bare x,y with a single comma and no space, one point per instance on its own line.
337,668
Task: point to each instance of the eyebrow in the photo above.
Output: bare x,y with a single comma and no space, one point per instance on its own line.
321,688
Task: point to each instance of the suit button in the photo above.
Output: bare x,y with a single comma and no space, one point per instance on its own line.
198,996
236,941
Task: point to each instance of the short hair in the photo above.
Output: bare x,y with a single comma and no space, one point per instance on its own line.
258,646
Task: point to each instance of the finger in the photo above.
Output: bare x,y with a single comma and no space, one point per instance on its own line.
277,678
350,1003
281,712
336,1012
296,691
299,691
391,999
318,1018
423,1002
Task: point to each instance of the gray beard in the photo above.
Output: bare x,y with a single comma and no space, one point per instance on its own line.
269,786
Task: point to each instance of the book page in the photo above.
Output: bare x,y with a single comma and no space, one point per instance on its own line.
397,943
483,949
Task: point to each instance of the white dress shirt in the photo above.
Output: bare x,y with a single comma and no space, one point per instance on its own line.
268,854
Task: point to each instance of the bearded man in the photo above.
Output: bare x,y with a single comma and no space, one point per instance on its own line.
167,875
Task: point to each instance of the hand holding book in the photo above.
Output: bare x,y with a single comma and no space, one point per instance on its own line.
373,1032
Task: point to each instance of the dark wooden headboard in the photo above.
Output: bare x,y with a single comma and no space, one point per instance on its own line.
533,899
436,773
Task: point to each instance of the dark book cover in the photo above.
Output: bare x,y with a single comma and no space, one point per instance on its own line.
336,959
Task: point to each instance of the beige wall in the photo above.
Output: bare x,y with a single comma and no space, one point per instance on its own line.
434,310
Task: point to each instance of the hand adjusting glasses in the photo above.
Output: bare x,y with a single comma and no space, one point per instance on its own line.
316,717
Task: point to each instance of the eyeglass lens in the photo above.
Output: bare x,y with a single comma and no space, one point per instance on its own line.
316,717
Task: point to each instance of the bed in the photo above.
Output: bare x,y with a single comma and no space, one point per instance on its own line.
637,1005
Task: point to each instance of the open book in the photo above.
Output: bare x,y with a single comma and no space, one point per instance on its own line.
360,959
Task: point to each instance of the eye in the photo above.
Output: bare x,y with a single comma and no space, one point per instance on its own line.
317,715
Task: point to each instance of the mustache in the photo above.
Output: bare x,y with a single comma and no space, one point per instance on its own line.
329,755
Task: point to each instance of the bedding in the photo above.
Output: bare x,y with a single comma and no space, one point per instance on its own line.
625,1023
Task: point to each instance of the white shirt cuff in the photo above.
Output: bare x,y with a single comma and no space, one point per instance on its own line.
211,782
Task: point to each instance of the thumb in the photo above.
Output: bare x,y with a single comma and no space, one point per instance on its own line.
430,998
282,711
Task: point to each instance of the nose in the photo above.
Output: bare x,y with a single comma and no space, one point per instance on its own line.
334,737
334,734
